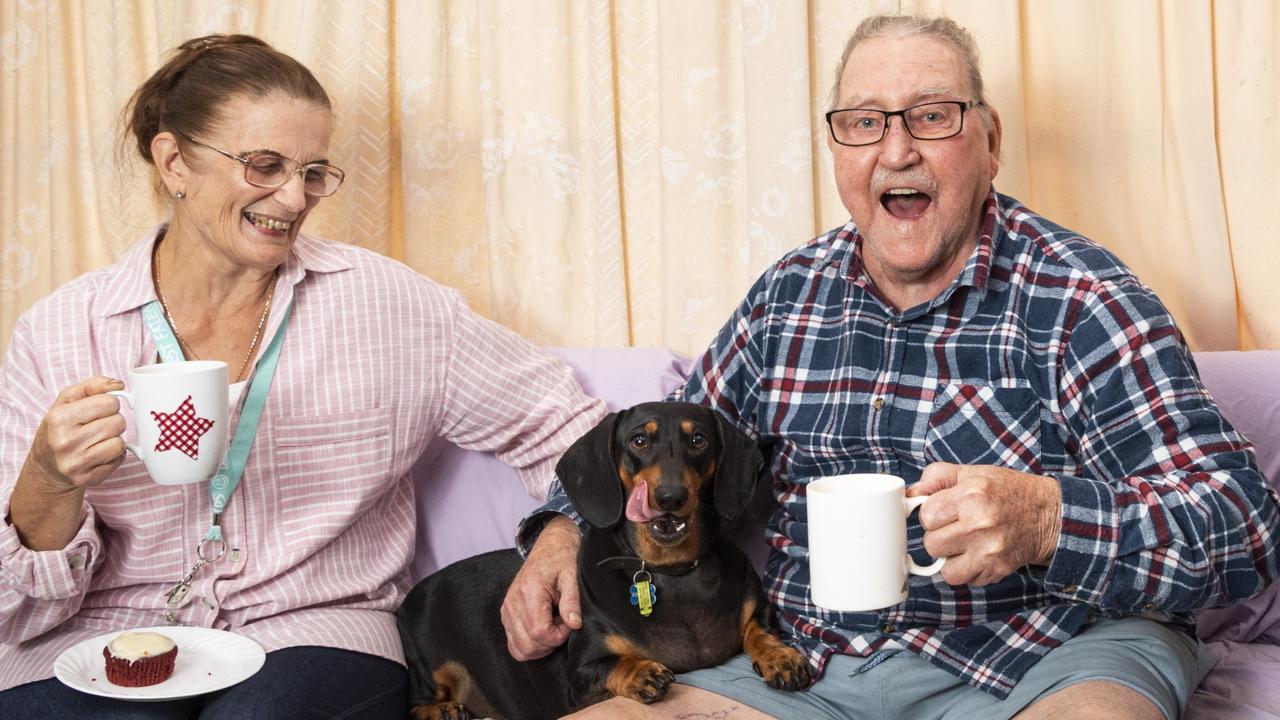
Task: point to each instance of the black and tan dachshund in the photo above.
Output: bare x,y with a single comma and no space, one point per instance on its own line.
662,590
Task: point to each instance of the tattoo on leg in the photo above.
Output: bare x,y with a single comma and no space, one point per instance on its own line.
713,715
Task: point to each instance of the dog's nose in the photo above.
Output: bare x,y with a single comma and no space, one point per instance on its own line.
670,497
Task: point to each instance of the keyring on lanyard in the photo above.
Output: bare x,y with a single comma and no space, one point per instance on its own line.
222,550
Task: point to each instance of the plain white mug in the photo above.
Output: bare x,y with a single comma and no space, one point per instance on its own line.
858,541
180,414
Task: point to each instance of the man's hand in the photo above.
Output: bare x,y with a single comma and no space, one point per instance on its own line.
987,521
547,581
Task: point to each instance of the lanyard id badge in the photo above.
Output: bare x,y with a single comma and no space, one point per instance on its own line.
223,484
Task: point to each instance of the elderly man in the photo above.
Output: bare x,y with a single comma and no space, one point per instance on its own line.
1085,490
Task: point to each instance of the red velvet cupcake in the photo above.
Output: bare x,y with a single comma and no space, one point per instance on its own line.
138,659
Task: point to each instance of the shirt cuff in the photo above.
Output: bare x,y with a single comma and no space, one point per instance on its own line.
47,574
1088,542
531,526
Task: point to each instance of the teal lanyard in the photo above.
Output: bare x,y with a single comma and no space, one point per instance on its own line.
224,484
166,342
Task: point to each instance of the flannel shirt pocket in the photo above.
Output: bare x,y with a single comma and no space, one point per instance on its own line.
974,424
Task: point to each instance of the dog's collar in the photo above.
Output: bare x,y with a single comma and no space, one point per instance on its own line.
627,562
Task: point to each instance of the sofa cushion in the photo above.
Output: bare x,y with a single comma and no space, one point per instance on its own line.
471,497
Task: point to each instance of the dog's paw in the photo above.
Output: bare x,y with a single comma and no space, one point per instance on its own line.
783,667
642,680
440,711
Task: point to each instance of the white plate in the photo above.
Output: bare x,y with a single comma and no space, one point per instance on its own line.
208,660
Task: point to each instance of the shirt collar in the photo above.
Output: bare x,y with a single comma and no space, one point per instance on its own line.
129,286
977,270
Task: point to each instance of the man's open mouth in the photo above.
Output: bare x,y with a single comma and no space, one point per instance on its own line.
905,203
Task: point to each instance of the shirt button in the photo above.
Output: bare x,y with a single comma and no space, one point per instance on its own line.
887,628
1148,606
877,403
1070,589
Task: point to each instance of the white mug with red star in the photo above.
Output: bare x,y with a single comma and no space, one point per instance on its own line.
179,417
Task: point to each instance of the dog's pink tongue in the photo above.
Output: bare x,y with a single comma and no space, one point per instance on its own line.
638,509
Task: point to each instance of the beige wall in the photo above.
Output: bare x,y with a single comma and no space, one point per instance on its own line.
615,173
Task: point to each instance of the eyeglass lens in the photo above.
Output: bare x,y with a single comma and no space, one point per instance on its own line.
931,121
271,171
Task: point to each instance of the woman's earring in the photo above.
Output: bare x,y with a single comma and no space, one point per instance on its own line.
179,194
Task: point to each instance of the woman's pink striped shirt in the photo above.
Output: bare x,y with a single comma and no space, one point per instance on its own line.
378,362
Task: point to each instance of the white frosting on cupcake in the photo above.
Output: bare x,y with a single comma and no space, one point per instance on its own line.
134,646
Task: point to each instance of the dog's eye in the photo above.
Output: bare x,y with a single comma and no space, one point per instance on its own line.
697,441
640,441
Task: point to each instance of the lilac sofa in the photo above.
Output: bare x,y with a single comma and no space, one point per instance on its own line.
470,502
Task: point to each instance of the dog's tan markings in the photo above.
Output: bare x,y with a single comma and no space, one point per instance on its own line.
651,475
748,614
628,481
636,676
446,711
621,645
693,482
647,548
452,682
781,665
654,554
455,693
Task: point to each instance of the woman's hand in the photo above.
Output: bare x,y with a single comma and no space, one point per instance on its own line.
77,445
79,442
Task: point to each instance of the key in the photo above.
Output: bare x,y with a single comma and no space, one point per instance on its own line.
176,595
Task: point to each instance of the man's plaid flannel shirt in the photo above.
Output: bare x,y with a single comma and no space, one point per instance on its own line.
1045,355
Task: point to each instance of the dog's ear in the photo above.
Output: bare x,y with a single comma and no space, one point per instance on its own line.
737,469
588,471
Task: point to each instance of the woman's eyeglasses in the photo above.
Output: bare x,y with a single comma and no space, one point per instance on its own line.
269,170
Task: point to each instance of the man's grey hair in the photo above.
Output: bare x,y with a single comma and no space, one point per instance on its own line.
943,28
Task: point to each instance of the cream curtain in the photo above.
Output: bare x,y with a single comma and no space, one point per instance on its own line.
617,172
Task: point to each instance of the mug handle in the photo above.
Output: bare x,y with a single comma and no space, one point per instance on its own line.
127,397
913,567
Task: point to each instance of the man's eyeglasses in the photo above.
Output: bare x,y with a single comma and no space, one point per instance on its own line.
269,170
931,121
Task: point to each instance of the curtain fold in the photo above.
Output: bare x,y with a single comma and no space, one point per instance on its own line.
618,172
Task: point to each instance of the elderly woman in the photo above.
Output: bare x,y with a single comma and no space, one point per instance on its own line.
374,362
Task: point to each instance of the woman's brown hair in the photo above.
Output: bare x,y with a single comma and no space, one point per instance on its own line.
187,94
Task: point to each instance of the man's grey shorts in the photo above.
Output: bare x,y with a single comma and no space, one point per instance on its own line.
1163,664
